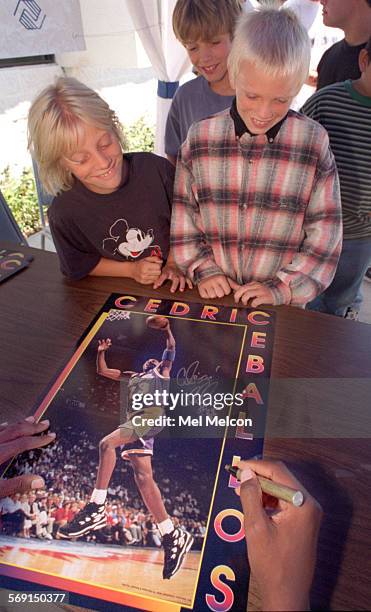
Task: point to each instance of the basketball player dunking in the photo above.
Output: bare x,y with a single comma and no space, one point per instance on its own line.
138,443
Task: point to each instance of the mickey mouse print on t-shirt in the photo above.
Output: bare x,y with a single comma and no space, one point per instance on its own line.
130,242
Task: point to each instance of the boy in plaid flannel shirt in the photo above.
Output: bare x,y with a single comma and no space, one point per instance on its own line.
256,202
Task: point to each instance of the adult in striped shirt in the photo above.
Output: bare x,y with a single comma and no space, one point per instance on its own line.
256,200
344,109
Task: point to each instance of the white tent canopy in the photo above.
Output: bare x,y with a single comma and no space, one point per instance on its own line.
153,22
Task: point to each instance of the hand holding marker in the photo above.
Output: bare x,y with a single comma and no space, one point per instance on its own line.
273,489
281,545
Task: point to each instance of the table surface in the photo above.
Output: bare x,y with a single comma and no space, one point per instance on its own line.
318,418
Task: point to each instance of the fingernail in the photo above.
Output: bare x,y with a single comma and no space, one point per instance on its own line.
37,483
30,419
247,474
46,422
52,434
238,491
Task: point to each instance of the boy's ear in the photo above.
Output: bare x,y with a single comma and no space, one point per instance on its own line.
363,60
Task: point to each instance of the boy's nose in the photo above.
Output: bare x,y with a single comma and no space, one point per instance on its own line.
265,111
205,55
102,158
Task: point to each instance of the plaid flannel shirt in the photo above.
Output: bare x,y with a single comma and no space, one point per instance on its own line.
258,209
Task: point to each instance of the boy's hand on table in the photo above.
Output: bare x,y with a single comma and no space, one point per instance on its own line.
257,292
214,287
147,270
177,278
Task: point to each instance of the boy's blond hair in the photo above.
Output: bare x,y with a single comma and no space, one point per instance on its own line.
204,19
55,122
274,41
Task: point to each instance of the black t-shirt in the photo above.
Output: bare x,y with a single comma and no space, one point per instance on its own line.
339,63
128,224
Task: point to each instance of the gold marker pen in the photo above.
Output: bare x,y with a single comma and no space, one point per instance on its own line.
271,488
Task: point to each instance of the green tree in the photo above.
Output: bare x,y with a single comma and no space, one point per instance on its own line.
21,197
140,136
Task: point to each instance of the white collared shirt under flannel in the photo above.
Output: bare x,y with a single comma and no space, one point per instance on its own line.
256,210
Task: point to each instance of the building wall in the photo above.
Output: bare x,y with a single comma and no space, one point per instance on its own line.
114,63
18,87
109,37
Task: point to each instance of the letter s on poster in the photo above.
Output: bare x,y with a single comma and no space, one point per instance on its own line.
227,603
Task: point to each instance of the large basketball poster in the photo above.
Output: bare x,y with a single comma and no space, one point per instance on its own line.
158,396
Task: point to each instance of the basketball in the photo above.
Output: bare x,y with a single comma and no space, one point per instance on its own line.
157,322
